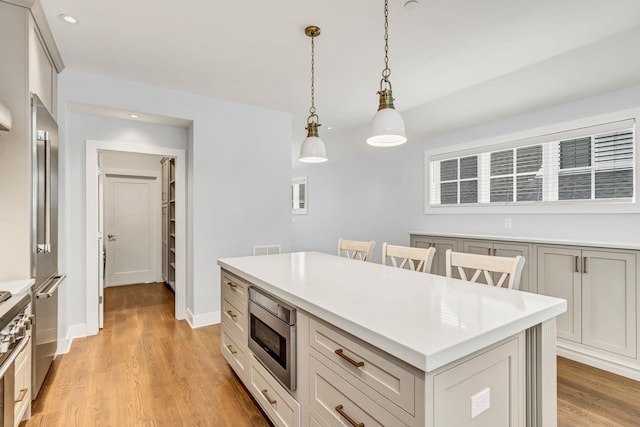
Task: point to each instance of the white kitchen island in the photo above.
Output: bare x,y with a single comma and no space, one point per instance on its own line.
436,351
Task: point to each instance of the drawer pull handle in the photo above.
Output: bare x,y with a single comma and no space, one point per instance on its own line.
266,396
584,265
231,350
348,359
577,262
347,417
231,284
23,393
231,314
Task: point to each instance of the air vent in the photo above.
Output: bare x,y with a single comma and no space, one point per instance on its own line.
266,250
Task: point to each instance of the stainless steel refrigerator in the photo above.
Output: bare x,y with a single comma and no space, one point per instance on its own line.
44,253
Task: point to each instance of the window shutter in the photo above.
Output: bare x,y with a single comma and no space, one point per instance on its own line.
595,163
614,165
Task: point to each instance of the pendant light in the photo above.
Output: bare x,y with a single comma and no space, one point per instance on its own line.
312,149
387,126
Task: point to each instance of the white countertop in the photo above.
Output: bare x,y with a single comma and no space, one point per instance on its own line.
423,319
16,286
539,240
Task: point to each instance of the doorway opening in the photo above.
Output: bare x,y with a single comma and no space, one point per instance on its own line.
133,251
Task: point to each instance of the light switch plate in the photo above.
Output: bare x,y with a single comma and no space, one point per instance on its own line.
480,402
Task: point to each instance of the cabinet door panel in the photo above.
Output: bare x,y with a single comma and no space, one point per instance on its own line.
439,266
479,247
512,250
557,277
608,301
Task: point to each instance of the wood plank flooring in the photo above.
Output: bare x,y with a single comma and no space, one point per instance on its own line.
147,369
144,369
592,397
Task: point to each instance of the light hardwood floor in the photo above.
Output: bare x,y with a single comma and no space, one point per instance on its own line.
147,369
144,369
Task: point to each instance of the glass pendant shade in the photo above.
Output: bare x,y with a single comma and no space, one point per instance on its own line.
312,149
387,129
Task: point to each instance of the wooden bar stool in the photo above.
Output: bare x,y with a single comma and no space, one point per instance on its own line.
509,269
355,250
416,259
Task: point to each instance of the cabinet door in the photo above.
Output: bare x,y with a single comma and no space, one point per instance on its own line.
609,301
559,276
513,250
479,247
441,244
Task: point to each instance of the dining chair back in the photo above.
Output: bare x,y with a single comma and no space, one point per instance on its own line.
416,259
497,271
355,249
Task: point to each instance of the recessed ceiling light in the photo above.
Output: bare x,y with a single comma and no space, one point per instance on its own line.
68,19
133,116
329,127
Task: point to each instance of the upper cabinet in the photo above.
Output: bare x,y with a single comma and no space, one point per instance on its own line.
30,63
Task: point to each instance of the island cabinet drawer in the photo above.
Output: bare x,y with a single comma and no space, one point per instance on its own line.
336,402
277,403
366,365
234,316
234,352
234,287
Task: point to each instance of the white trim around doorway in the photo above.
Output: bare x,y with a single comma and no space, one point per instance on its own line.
93,147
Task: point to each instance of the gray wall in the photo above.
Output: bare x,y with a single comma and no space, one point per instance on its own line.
238,176
379,195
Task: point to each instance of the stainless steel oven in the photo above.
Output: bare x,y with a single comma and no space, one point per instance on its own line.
15,335
272,335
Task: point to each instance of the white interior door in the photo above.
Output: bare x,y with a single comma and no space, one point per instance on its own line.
130,225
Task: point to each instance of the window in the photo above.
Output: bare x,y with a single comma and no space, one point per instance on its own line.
299,195
592,165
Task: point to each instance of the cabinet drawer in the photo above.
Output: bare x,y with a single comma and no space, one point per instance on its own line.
233,316
233,287
234,352
279,405
387,377
336,402
22,389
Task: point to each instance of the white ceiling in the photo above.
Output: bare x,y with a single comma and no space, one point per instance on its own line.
452,61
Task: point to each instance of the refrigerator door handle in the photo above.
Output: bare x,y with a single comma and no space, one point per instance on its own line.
48,293
45,245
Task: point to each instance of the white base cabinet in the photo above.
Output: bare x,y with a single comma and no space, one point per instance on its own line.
600,289
345,381
602,323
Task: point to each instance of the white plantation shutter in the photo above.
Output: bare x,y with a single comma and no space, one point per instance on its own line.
613,154
595,164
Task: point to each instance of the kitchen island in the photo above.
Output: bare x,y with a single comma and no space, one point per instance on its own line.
428,350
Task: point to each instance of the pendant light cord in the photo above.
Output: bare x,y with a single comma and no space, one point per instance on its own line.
312,110
386,72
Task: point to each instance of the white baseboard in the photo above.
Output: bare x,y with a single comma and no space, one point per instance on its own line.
599,362
206,319
75,331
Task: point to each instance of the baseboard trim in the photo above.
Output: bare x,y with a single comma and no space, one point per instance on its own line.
75,331
200,320
599,362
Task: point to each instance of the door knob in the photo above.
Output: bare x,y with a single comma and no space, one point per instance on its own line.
111,237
